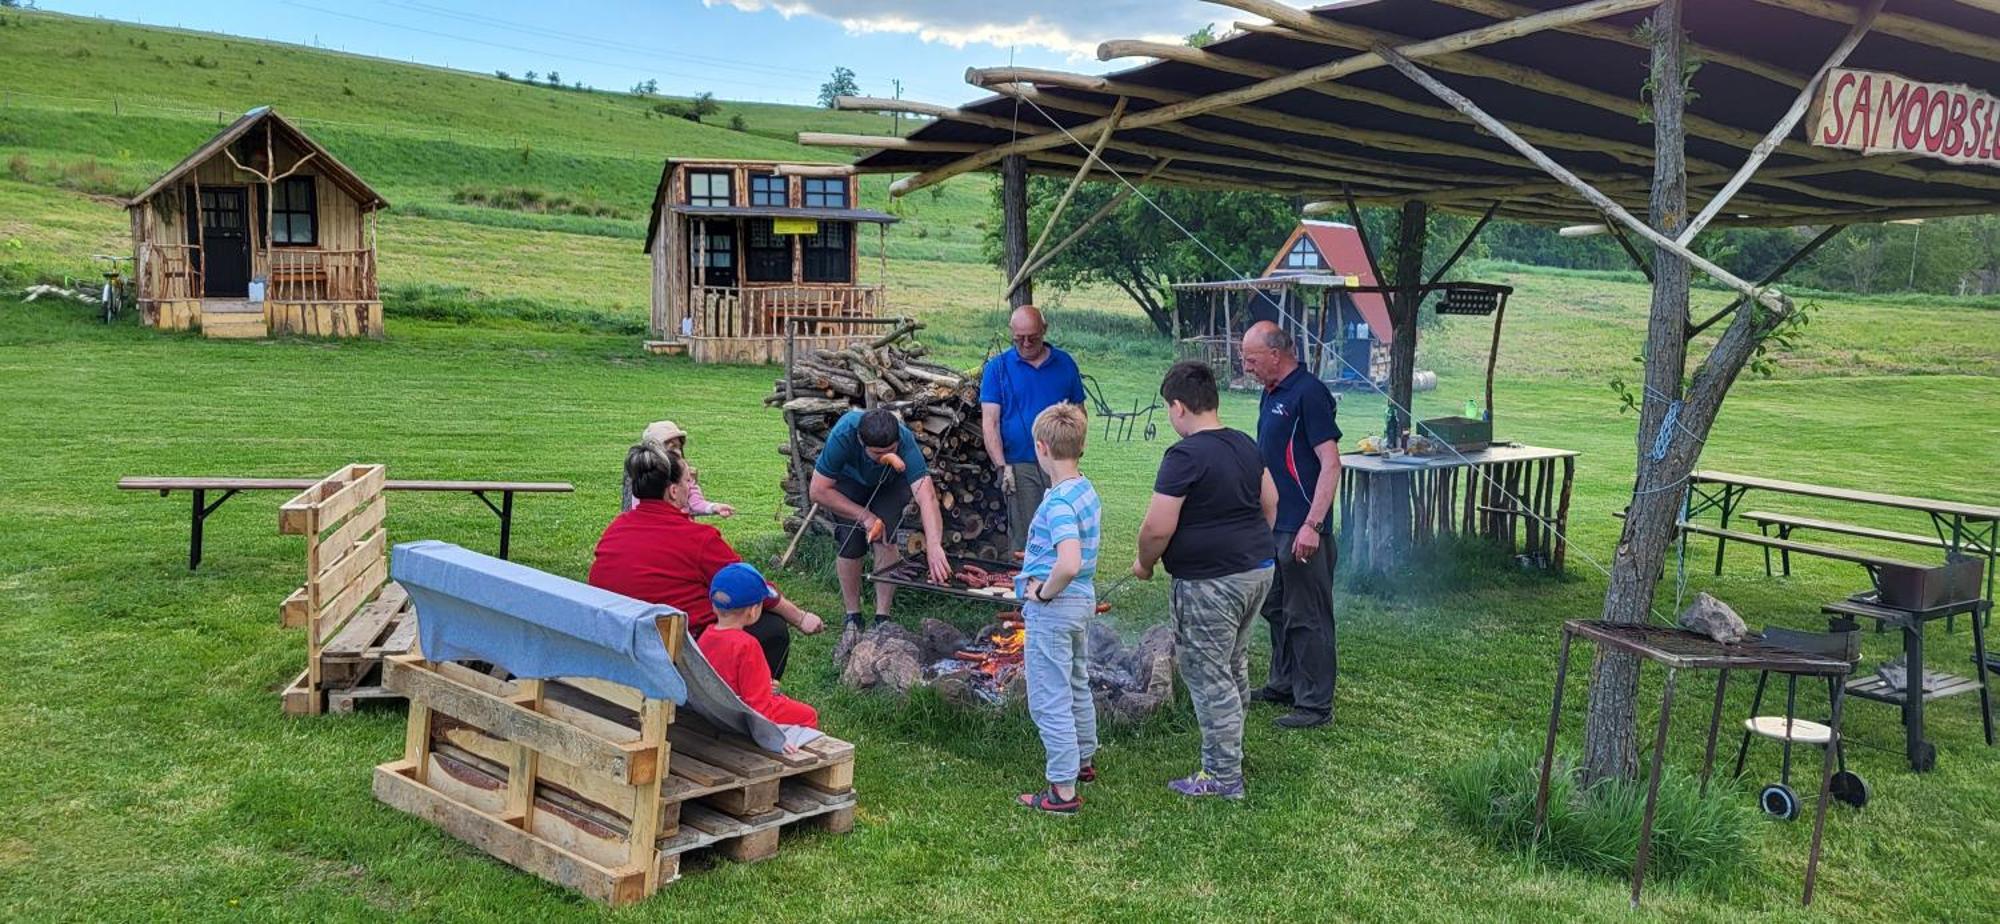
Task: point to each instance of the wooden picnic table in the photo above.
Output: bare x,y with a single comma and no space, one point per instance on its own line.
199,487
1512,495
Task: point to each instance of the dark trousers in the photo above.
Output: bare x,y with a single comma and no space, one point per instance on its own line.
1305,662
774,635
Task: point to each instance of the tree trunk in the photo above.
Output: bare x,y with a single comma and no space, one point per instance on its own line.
1410,240
1610,739
1014,226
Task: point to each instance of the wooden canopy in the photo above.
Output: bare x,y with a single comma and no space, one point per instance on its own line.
1307,104
325,163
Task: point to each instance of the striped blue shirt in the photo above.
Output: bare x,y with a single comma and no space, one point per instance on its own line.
1068,511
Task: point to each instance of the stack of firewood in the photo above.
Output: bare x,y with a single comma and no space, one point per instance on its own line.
939,404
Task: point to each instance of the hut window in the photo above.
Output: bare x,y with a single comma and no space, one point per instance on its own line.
767,256
824,193
709,189
294,220
829,255
1304,255
768,189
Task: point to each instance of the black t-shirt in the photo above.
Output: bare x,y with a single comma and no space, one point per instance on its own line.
1220,477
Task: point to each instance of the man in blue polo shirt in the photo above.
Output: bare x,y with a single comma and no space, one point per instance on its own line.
1300,443
1016,386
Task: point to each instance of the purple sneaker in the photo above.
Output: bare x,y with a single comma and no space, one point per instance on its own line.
1202,784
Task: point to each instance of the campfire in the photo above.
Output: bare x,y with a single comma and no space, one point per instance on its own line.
985,668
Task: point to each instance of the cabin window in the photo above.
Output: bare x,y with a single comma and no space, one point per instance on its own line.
709,189
829,255
767,256
1304,255
768,189
294,220
825,193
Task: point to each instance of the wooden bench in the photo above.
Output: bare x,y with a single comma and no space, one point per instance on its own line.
354,616
1786,523
199,487
593,785
1864,559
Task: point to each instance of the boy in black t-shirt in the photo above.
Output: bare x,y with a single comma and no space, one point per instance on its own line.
1210,523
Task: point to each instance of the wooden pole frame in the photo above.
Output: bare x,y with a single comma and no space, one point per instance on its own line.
1055,215
1446,45
1778,132
1772,299
1118,198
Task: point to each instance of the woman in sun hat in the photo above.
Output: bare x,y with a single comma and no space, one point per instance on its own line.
667,438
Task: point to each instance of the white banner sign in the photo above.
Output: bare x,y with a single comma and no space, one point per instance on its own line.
1878,113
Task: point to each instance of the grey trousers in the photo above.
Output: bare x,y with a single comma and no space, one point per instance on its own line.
1030,483
1212,618
1305,660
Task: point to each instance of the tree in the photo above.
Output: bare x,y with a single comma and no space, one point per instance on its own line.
555,80
502,75
1139,250
839,85
646,87
530,76
1202,37
736,123
703,104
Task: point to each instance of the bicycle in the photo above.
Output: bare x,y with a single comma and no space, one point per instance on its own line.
112,298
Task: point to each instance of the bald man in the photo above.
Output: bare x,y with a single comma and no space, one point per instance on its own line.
1016,386
1300,442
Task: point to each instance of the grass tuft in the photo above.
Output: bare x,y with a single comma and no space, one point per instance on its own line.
1702,839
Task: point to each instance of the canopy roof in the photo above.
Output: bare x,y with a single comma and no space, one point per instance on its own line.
323,162
1576,92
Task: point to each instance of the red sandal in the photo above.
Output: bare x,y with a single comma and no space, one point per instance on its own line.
1048,801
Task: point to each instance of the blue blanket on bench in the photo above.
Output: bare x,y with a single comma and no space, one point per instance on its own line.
535,624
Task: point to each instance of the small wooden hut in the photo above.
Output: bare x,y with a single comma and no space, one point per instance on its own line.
259,232
741,247
1342,336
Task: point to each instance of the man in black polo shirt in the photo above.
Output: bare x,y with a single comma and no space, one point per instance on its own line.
1300,442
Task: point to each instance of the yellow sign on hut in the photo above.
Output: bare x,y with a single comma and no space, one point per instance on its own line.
794,226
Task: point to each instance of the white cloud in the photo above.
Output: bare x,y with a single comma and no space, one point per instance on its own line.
1072,27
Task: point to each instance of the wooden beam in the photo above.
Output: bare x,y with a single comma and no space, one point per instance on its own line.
816,170
883,142
1785,123
1500,9
1863,217
1096,152
1452,260
941,113
1908,28
1771,277
1772,299
1450,44
1090,221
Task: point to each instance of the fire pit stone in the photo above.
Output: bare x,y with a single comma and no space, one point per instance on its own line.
984,669
887,655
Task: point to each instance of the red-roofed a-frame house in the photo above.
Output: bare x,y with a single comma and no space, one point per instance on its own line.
1343,336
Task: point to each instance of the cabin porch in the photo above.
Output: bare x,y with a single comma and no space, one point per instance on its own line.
311,292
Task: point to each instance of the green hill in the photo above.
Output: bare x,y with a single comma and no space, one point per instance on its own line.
102,108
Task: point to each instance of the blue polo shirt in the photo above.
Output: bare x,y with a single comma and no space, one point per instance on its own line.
1292,418
845,458
1023,391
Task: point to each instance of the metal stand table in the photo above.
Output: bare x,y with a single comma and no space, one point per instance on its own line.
1679,650
1912,697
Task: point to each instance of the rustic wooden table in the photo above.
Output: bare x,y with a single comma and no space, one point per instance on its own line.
1511,495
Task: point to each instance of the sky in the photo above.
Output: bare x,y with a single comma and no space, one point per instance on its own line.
763,50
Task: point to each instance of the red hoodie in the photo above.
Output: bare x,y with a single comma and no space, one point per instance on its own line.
739,661
657,553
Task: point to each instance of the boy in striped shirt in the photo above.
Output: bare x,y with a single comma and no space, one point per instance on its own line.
1057,599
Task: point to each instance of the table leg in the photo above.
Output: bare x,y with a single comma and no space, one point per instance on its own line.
1756,703
1825,792
1979,656
194,530
1913,696
1729,499
1653,788
1714,724
506,520
1549,745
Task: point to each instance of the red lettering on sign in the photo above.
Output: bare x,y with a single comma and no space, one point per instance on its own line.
1837,132
1935,110
1862,109
1910,130
1954,126
1978,145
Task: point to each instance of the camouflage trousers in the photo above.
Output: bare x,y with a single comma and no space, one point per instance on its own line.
1212,619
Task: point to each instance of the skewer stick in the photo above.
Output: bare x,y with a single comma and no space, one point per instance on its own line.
793,546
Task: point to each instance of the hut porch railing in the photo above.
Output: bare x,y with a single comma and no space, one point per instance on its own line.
168,272
311,275
759,312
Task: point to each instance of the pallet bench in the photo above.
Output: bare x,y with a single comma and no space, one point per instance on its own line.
354,616
199,487
590,784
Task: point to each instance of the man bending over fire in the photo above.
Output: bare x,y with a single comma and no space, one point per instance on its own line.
865,477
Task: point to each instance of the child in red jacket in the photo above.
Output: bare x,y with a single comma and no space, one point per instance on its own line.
739,593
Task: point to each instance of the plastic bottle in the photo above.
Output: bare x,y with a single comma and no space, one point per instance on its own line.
1471,409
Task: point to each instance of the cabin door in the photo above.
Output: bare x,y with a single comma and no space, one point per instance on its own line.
224,239
719,253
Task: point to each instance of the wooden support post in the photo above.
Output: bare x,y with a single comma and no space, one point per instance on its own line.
1055,214
1014,227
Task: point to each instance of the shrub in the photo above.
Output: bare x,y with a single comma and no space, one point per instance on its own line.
17,167
736,123
204,62
346,90
1701,838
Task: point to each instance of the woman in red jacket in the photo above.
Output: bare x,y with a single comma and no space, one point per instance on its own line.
656,552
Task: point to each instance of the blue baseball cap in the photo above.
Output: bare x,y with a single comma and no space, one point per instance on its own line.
739,585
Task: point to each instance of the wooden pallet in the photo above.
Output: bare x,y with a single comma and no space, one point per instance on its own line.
354,616
556,777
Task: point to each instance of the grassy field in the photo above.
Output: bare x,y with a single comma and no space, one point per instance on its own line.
152,777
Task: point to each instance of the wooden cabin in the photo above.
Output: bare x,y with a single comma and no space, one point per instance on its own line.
1342,336
259,232
741,247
